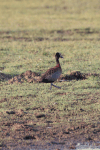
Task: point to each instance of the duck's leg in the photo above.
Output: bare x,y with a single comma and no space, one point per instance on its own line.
54,86
51,86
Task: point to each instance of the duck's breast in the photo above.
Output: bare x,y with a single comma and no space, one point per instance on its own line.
54,76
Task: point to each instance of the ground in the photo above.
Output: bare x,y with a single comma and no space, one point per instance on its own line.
31,114
47,128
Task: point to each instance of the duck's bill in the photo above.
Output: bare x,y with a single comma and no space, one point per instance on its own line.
61,56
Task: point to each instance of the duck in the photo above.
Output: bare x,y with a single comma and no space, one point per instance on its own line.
53,73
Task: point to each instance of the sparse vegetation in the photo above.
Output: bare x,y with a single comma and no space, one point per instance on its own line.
30,35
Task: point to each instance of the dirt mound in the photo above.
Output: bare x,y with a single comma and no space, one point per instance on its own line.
4,76
74,75
28,76
31,77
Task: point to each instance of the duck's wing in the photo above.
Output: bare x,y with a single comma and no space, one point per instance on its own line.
51,75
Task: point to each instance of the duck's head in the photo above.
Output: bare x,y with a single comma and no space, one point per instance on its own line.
58,55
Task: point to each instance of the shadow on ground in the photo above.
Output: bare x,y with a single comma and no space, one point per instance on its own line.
5,77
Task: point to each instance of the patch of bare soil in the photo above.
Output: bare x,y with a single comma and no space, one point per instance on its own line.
20,132
61,35
28,76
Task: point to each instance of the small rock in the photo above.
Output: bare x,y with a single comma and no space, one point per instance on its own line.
29,137
72,147
10,112
89,138
40,115
81,109
61,143
96,131
66,132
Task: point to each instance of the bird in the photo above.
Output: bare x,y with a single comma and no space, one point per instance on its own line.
53,73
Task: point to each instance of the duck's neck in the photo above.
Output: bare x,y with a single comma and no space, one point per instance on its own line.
58,64
57,60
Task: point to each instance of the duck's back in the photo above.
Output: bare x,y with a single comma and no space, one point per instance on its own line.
51,74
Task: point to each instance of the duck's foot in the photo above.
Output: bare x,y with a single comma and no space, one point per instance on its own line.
54,86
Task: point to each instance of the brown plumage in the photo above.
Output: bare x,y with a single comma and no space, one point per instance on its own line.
52,74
